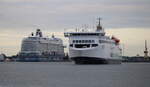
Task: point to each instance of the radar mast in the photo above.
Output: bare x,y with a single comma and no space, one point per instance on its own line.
99,27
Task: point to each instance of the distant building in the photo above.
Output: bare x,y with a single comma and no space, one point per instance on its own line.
2,57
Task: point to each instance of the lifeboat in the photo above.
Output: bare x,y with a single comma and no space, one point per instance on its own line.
115,39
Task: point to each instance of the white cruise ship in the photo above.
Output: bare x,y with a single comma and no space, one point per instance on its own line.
93,47
39,48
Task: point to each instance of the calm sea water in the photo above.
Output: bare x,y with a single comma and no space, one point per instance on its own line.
60,74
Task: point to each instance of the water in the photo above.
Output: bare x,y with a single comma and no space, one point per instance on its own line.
59,74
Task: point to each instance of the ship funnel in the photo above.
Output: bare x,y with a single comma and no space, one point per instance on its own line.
39,33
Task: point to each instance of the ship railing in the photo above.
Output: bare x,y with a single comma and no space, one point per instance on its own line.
79,30
82,30
38,52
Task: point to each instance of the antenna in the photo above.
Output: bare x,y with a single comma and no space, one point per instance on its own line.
145,45
99,21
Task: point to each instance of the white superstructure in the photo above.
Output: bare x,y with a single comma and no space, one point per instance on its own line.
93,47
36,46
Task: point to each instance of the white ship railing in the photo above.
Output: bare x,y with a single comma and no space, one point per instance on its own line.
79,30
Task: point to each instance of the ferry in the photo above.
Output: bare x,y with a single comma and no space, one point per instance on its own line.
93,47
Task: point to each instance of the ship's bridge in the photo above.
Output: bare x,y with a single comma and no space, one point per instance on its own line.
68,34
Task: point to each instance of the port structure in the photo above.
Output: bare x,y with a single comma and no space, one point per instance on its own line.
146,50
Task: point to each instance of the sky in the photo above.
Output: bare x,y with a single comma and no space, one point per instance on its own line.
129,20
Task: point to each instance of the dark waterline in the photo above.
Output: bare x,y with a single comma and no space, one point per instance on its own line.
65,74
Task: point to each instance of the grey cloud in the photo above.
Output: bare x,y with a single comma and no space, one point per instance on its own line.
56,14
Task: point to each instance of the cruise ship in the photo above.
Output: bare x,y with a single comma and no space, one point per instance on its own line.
36,47
93,47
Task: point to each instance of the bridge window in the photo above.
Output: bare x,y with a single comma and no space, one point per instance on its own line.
74,41
89,41
77,41
83,41
93,41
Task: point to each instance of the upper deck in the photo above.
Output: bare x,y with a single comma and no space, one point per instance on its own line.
38,37
86,36
86,32
82,32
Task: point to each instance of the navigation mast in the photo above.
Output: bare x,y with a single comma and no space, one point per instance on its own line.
99,27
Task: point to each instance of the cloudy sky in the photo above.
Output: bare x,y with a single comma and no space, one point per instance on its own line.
129,20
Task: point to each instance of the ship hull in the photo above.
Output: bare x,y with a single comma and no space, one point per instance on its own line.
95,55
95,60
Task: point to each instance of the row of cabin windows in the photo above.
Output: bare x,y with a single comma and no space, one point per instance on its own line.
83,45
83,41
103,41
92,41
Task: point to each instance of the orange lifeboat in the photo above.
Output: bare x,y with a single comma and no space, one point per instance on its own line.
115,39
